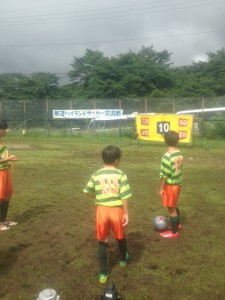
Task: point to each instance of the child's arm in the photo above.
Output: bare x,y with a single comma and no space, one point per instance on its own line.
89,189
91,195
162,183
9,158
125,219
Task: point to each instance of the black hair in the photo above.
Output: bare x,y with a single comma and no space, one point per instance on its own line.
110,154
3,124
171,138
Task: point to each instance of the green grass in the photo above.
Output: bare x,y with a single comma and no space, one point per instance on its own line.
54,243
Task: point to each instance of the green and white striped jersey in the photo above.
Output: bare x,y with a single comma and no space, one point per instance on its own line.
110,186
171,167
3,155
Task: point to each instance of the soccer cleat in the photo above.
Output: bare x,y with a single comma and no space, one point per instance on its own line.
169,234
123,263
103,278
179,227
3,227
9,223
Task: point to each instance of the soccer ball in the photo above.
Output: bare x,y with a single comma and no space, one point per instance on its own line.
160,223
48,294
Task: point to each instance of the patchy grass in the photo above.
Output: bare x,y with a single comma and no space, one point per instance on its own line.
54,243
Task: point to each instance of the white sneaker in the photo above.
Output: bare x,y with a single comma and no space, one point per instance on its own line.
3,227
10,223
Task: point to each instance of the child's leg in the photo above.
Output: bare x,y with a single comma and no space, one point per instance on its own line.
123,249
178,215
174,220
102,256
4,206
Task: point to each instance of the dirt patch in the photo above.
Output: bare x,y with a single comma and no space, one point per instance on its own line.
19,146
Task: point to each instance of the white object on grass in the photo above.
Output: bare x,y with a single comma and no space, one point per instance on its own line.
48,294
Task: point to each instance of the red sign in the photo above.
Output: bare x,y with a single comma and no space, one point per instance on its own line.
144,132
182,135
183,122
145,121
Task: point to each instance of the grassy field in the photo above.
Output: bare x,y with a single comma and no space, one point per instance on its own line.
54,243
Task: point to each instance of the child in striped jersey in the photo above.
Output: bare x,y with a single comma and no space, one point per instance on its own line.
6,189
171,181
110,188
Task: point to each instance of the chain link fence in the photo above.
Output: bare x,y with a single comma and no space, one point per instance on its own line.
37,116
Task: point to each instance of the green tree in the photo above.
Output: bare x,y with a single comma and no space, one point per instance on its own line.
215,71
11,86
130,74
44,85
22,87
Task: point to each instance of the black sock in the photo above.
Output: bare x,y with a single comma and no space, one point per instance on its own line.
123,248
178,215
4,205
102,256
174,224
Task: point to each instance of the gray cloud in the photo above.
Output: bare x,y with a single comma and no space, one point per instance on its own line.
45,35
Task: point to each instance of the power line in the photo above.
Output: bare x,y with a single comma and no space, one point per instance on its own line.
165,3
59,74
113,41
50,6
91,17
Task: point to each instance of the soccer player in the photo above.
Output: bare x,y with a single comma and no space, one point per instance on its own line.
6,189
110,188
171,181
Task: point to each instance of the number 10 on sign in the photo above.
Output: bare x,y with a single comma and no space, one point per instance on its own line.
163,127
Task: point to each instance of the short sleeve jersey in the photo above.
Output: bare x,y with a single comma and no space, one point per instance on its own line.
110,185
171,168
3,155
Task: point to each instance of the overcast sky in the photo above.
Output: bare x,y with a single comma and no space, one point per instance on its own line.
46,35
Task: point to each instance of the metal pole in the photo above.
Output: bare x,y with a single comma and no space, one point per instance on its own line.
24,114
146,105
120,104
70,121
174,105
203,127
46,117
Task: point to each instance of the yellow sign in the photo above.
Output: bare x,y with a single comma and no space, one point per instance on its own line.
153,127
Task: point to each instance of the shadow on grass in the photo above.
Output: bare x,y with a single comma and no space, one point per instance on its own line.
9,257
33,212
135,244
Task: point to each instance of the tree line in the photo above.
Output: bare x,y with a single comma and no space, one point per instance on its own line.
147,73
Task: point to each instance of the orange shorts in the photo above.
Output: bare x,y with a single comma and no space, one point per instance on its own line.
170,195
108,218
6,189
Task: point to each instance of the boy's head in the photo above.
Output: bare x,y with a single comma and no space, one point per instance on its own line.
3,128
111,154
171,138
3,124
